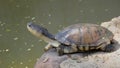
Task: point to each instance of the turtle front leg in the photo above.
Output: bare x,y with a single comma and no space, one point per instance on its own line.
66,49
60,50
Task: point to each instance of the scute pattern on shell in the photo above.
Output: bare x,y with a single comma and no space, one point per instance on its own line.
83,34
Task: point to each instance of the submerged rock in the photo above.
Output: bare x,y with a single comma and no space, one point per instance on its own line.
50,59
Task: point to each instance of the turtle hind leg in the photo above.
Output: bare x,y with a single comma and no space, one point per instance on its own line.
105,45
109,48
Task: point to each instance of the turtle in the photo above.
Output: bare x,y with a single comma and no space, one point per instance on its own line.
81,37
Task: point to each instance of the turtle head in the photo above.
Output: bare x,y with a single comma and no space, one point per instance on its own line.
37,30
42,33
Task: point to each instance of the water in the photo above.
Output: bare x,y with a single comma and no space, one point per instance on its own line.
19,48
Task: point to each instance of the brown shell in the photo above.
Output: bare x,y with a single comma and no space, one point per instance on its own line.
83,34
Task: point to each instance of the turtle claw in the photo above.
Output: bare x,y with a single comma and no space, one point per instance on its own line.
47,47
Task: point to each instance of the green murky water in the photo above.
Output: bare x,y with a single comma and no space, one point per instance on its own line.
20,49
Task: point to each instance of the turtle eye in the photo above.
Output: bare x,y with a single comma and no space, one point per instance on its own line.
29,24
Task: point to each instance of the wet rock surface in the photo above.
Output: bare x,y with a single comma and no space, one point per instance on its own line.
50,59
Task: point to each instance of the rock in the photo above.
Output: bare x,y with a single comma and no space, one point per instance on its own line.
50,59
114,27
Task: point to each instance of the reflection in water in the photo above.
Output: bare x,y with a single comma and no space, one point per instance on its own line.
20,49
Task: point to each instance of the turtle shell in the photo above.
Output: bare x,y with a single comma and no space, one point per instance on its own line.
83,34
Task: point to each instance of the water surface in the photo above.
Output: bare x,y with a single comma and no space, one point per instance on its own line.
19,48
